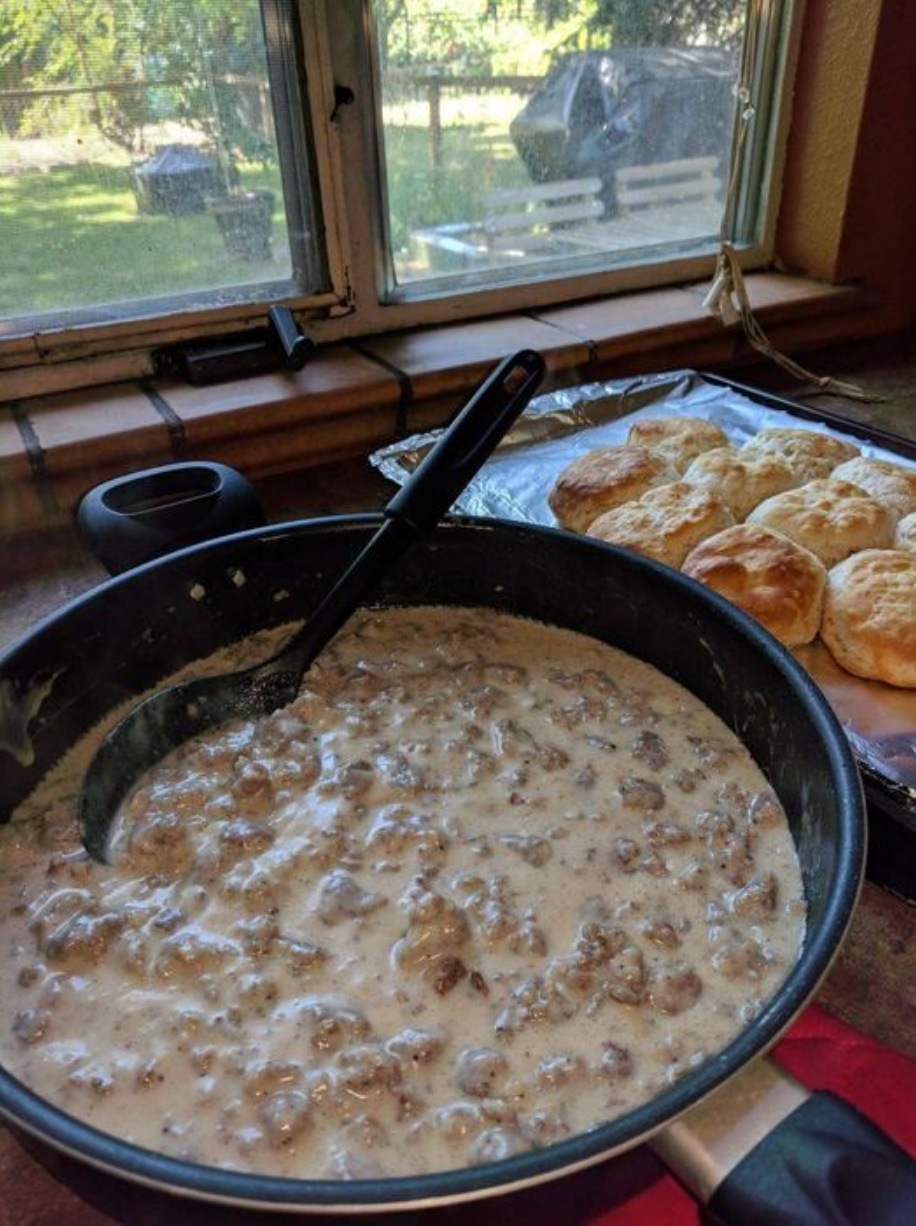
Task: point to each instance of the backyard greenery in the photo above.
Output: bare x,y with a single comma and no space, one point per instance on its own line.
71,236
89,89
423,193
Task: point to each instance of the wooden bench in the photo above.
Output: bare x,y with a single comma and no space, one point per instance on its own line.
540,219
534,218
665,183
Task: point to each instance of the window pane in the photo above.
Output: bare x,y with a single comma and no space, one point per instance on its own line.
519,131
138,154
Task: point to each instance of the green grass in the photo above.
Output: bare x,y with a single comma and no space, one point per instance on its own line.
72,236
475,161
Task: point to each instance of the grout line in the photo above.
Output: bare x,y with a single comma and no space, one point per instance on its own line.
406,398
36,457
173,423
590,345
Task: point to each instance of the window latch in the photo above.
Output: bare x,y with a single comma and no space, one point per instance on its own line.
343,96
281,343
296,346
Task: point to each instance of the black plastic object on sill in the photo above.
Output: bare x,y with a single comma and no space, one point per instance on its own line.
143,515
281,344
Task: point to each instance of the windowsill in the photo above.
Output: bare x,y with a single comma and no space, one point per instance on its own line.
355,396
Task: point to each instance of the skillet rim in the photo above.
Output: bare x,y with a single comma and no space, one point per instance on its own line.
27,1110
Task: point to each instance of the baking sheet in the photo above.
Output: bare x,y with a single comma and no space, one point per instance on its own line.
880,720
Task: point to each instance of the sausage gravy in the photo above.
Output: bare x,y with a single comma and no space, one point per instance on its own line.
483,885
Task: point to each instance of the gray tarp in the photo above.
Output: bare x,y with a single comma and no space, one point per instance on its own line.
598,111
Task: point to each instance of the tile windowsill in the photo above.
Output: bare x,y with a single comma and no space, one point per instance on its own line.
355,396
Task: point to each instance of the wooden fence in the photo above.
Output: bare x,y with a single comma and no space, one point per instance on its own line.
13,102
429,85
433,84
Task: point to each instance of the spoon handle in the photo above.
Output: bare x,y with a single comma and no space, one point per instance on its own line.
470,438
419,505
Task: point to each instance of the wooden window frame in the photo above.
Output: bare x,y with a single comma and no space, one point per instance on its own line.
62,356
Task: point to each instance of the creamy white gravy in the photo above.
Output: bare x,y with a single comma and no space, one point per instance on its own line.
485,884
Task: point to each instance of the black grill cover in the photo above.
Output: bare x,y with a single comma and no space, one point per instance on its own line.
598,111
177,179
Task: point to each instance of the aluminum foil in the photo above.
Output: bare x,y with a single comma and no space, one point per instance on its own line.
880,720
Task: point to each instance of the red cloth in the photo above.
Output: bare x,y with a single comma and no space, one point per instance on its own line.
820,1051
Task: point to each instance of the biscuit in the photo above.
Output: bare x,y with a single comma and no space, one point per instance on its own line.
905,533
776,581
811,453
831,518
741,478
890,484
870,615
678,439
665,523
602,479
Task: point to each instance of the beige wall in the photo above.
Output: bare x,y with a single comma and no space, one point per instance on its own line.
849,200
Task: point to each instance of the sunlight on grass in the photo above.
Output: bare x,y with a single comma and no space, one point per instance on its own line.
72,236
495,110
474,161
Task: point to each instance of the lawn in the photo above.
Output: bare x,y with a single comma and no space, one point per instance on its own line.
473,163
72,236
476,157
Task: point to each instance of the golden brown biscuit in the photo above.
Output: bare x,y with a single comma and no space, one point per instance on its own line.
890,484
778,582
831,518
741,478
905,533
811,453
678,439
665,523
602,479
870,615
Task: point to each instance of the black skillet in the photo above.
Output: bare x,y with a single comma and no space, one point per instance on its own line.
823,1163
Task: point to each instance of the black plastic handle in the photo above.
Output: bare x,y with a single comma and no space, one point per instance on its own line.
419,505
470,438
824,1165
142,515
297,348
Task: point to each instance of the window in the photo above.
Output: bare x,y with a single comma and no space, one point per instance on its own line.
141,157
569,151
168,165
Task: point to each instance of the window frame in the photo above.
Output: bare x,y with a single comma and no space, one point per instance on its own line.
336,47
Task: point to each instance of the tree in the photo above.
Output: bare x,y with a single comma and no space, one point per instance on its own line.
668,23
619,23
195,49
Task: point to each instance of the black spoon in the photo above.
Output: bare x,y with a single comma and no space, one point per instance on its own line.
175,715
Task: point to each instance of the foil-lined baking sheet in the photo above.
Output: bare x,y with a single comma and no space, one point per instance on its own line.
514,484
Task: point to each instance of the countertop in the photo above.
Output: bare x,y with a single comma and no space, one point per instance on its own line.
872,984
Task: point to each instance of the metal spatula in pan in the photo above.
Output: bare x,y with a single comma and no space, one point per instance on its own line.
175,715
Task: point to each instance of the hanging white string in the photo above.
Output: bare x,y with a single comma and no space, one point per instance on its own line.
727,297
